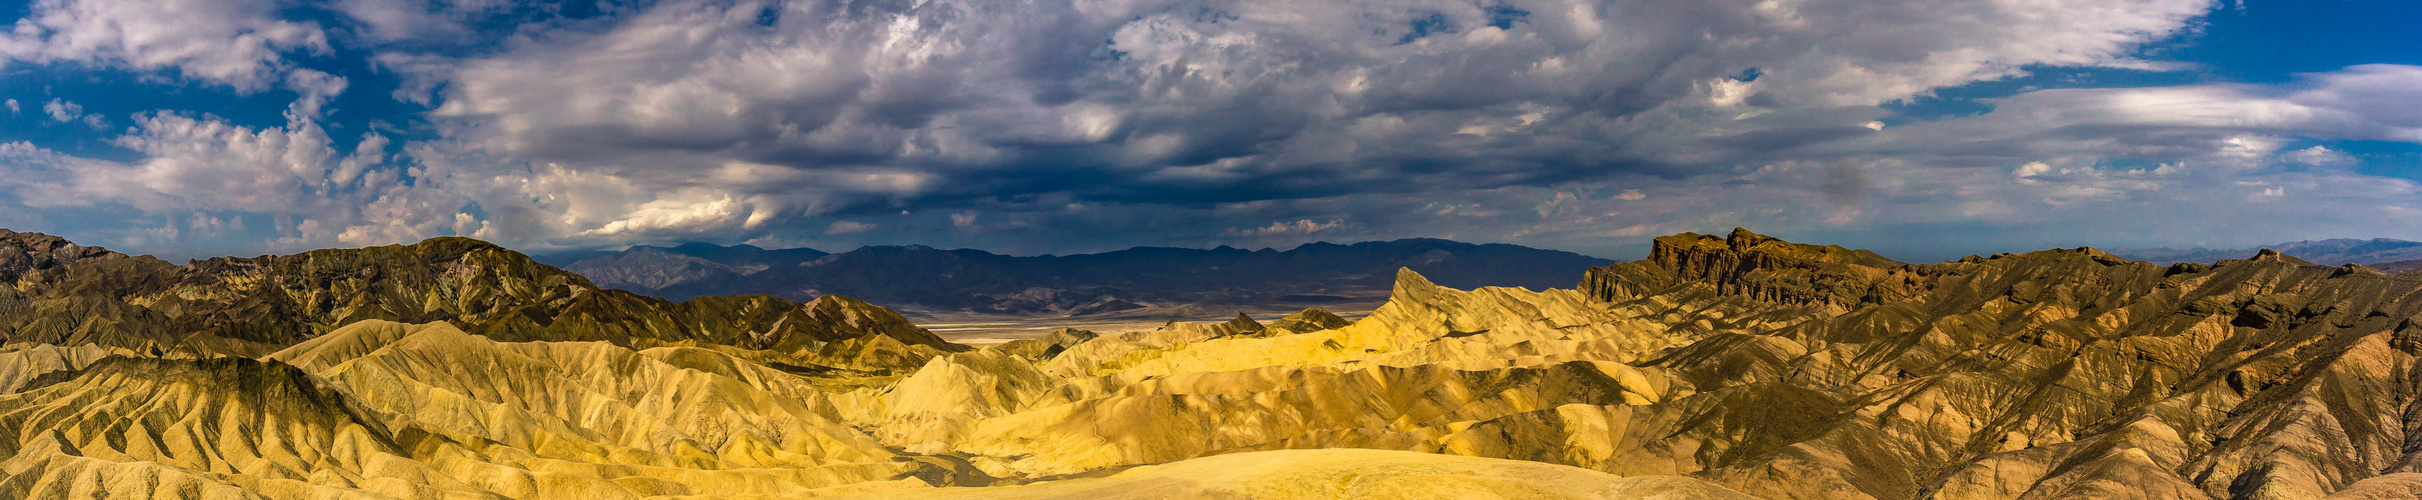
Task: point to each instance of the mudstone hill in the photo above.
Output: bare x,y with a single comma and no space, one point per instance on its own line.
1737,366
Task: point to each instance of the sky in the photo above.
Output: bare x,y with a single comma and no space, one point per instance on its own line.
1923,129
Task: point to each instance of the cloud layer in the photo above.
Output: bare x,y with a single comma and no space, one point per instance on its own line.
1079,125
238,43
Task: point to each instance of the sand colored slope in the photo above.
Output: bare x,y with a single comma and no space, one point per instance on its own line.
1422,324
1781,370
21,364
386,410
595,409
1717,367
1419,374
203,429
1346,473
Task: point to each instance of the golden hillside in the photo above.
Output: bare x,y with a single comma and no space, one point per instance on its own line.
1719,367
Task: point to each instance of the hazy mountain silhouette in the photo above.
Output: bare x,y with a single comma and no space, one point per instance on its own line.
978,281
2329,252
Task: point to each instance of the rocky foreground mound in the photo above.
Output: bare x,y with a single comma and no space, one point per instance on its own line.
1716,368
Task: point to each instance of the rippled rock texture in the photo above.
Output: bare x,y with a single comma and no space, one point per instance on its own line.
1738,366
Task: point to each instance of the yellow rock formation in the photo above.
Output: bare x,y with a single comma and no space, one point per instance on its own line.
1716,368
1344,473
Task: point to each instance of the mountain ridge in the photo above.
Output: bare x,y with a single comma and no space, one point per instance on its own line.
65,294
971,280
2333,251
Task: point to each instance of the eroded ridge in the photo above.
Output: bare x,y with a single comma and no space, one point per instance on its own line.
1717,367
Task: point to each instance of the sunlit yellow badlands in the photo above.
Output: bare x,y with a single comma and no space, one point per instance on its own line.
1720,367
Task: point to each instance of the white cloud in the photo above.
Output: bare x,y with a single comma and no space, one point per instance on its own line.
2027,173
314,89
675,214
695,120
64,111
848,227
1561,204
238,43
204,223
1298,227
1182,98
2319,156
191,165
2268,194
210,164
420,20
301,236
2354,103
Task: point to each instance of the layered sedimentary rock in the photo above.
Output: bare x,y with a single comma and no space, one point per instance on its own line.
1344,473
386,410
1718,367
61,294
2054,373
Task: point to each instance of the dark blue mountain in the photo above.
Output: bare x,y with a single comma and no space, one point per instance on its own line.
977,281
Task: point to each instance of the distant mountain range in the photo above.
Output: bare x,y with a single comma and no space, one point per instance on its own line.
2396,256
1142,280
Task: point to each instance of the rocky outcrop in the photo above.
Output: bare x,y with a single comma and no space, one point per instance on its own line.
1762,268
22,253
1718,367
2053,373
1311,319
248,307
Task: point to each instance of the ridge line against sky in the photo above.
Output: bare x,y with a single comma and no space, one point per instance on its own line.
1923,130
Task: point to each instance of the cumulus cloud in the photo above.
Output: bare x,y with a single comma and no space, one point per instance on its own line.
1558,123
238,43
2180,121
2319,156
1298,227
848,227
314,89
676,214
189,165
1226,101
64,111
195,162
421,20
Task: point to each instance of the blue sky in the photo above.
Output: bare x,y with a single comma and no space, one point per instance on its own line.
1926,130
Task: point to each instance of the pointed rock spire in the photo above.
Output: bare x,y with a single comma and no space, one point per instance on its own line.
1311,319
1243,324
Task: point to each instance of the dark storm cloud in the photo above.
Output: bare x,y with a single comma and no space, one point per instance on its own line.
1224,101
1057,124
